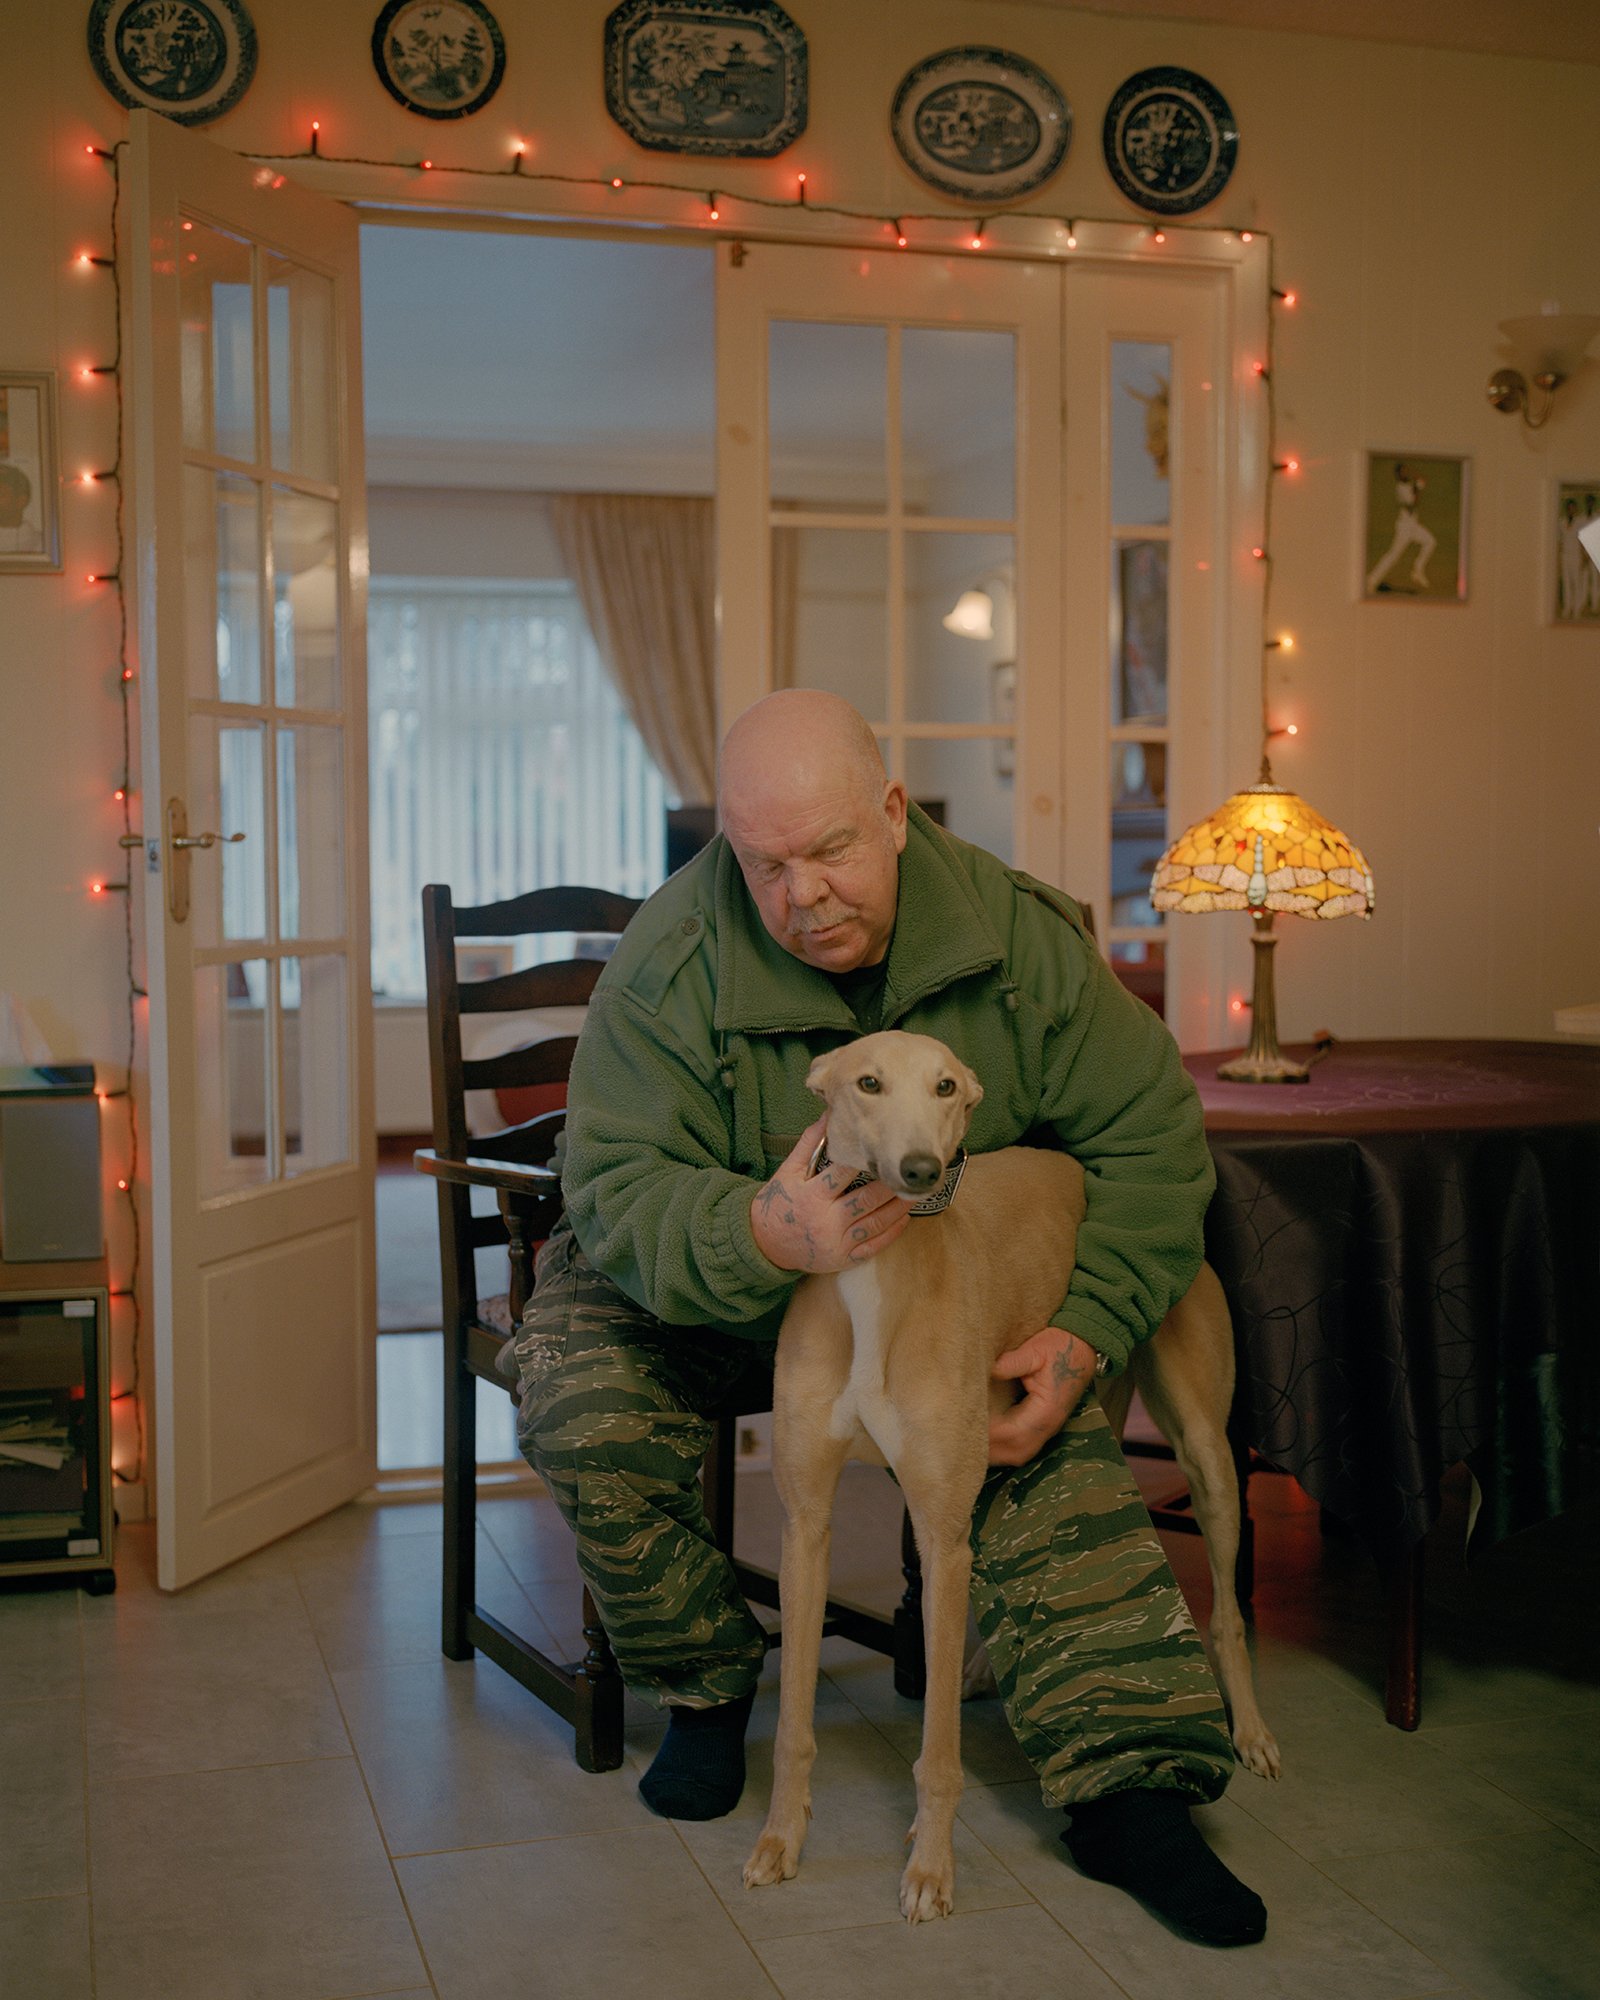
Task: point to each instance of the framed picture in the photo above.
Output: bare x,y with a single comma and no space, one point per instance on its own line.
1414,528
726,78
1572,589
1003,707
484,961
30,473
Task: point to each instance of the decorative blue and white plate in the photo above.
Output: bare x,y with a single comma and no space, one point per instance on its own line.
1170,141
980,123
191,59
722,77
441,58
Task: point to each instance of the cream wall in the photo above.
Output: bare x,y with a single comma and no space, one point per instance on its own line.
1416,198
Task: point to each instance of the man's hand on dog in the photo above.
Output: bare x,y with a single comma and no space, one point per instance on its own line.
1054,1369
814,1225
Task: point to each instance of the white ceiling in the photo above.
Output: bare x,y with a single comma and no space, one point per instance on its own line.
564,363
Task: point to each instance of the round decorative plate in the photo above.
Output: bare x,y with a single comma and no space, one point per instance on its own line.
192,59
442,58
1170,140
980,123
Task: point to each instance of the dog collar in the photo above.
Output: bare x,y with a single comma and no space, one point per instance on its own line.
930,1204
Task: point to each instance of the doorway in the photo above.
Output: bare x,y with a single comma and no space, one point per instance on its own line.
503,374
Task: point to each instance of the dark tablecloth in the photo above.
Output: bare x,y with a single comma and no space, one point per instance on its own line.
1410,1243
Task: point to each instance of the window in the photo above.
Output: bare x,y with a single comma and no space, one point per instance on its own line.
501,758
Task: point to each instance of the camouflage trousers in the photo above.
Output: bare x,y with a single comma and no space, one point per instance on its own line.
1103,1676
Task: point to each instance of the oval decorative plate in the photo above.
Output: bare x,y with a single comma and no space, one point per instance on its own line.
1170,140
727,78
442,58
192,59
980,123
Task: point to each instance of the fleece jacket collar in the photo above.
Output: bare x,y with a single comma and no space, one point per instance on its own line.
941,934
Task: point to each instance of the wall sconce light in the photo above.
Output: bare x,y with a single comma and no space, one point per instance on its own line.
1551,344
971,616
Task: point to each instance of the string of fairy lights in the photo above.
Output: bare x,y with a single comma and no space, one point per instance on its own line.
937,232
130,842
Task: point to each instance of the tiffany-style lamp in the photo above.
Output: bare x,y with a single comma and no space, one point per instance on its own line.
1264,850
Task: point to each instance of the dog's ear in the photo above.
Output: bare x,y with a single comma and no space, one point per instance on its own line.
972,1090
820,1075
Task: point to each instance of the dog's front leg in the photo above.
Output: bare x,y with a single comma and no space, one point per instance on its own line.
807,1478
927,1888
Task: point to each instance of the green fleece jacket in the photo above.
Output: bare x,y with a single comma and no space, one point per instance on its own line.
688,1088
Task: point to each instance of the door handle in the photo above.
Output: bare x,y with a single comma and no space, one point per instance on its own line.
203,839
181,843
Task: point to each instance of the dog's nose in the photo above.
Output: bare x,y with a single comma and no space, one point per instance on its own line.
920,1170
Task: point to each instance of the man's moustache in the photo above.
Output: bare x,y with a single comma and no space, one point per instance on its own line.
806,926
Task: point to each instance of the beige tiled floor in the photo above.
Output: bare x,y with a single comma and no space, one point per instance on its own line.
273,1788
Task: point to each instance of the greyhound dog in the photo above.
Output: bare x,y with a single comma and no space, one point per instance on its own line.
890,1361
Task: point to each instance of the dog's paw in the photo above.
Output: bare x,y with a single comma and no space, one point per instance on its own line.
775,1858
928,1886
1257,1748
977,1677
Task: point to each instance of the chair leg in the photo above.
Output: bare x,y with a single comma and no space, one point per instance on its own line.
598,1722
910,1652
460,1495
1403,1687
716,1483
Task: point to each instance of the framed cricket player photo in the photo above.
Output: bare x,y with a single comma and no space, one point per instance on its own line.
1414,528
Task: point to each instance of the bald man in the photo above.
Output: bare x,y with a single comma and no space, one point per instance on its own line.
827,908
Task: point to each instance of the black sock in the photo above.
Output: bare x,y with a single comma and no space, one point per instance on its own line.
698,1773
1145,1842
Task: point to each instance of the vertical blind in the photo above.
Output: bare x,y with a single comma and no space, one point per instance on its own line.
501,758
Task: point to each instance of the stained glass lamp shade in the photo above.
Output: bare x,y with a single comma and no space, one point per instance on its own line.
1264,850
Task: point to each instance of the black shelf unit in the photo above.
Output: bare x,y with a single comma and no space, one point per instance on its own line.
56,1513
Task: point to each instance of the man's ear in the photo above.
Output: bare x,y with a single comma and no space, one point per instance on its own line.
820,1075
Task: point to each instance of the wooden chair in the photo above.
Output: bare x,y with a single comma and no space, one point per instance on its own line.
515,1164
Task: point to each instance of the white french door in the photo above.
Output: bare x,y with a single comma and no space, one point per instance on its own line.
887,506
251,539
989,502
1148,578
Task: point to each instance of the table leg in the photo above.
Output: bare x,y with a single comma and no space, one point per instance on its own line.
1403,1688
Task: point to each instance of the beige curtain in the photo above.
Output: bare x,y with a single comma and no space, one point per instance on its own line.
643,567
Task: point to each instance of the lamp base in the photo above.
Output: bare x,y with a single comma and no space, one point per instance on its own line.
1263,1061
1262,1069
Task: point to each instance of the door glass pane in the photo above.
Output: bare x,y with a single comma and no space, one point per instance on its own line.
305,599
958,402
1139,632
300,370
967,580
227,794
965,785
316,1063
827,403
222,583
310,832
231,1043
1141,377
217,341
830,612
1138,829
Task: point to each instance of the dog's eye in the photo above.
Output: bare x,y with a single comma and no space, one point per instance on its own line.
869,1084
946,1086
